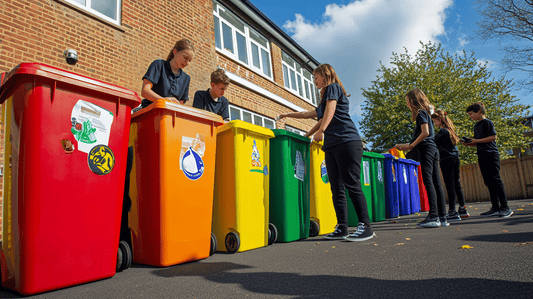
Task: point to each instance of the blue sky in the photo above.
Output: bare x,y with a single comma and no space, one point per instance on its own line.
356,35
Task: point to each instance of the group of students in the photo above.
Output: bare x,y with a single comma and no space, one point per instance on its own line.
343,146
165,79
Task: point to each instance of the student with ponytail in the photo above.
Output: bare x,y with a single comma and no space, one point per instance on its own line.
446,140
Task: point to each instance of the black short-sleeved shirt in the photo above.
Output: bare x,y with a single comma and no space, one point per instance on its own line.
167,84
423,118
445,145
482,129
341,129
203,100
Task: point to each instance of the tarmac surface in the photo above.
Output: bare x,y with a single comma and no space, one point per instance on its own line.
404,261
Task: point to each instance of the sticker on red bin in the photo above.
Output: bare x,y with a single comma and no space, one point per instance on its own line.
101,159
91,125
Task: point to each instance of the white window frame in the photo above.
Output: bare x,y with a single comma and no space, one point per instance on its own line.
294,130
298,86
248,40
254,116
87,7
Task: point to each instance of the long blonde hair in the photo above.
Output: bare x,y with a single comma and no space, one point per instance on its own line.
328,73
418,101
446,123
182,44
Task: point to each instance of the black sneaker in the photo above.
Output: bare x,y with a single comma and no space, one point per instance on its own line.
506,212
443,221
336,235
452,216
430,222
491,213
463,213
362,233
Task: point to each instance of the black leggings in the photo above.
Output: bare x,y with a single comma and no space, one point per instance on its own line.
343,164
429,162
451,170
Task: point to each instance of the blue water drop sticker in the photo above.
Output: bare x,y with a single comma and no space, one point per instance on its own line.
192,164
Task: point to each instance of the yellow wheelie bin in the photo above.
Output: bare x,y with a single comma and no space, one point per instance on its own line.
240,205
323,217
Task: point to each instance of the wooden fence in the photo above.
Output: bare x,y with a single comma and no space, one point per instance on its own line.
516,173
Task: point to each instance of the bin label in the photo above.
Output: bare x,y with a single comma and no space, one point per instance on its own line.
299,167
366,173
91,125
192,151
101,159
404,175
324,172
393,174
256,159
380,172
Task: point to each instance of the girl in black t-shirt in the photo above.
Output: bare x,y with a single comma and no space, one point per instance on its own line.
489,160
423,139
344,152
446,140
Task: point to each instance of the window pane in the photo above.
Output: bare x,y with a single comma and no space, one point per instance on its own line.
228,37
258,120
307,75
293,80
258,38
286,77
269,124
234,113
241,48
307,94
255,56
299,81
218,42
231,19
247,116
105,7
287,59
266,62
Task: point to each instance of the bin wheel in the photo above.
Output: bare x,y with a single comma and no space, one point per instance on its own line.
272,234
232,242
120,257
314,228
127,256
213,244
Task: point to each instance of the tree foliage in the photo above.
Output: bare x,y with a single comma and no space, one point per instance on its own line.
511,23
451,83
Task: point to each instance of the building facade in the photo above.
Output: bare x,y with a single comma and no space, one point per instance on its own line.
116,40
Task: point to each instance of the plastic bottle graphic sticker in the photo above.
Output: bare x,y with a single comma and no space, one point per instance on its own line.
380,172
324,172
299,167
192,151
366,173
91,125
405,175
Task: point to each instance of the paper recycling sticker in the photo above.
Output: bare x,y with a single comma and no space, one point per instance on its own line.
366,172
324,172
299,167
91,125
101,159
192,151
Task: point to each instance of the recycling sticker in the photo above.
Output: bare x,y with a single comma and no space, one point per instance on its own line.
91,125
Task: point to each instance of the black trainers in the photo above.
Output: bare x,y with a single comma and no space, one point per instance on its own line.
463,213
336,235
430,222
452,216
506,212
443,221
491,213
362,233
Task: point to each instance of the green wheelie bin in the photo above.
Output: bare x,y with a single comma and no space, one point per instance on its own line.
366,186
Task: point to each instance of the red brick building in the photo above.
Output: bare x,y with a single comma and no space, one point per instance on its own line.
116,40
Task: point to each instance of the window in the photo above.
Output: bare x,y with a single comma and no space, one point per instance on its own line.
294,130
239,41
297,79
108,10
251,117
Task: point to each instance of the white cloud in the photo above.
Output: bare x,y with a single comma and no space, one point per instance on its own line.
491,64
354,38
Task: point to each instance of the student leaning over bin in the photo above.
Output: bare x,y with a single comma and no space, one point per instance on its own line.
213,99
166,78
344,152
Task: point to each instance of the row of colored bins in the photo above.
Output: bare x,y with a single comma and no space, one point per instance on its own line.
402,190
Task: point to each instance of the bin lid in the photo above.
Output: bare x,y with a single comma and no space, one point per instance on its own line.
239,124
182,111
373,155
281,132
47,72
408,161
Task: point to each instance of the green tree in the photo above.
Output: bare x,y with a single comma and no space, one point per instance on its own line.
452,83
